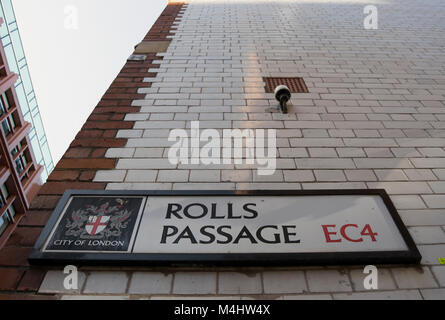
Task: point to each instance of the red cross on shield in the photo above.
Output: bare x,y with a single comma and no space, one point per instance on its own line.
96,224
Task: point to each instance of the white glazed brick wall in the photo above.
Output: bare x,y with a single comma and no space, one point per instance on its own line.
374,118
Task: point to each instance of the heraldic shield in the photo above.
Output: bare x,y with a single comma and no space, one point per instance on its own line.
96,223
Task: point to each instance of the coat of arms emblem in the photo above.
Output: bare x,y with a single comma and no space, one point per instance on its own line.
98,222
104,223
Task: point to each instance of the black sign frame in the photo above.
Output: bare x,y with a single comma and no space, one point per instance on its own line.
410,256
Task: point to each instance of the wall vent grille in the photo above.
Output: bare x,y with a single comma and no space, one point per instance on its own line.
295,85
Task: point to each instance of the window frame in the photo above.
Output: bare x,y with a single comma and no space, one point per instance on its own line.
6,201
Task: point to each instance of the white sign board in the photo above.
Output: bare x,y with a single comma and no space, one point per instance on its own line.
209,226
287,224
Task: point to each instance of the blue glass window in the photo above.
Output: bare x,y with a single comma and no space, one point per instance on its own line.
23,101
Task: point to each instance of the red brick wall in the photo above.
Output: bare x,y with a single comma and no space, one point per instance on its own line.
77,168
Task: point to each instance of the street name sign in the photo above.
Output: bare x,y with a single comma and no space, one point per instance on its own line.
221,228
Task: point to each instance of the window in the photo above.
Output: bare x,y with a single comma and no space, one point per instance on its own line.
3,28
20,161
8,124
8,216
4,223
23,101
4,106
10,57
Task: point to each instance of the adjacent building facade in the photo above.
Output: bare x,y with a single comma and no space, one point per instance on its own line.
16,60
20,173
372,118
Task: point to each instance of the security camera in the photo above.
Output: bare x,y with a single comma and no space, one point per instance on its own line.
283,95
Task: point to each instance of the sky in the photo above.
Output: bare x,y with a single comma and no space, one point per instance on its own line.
75,49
